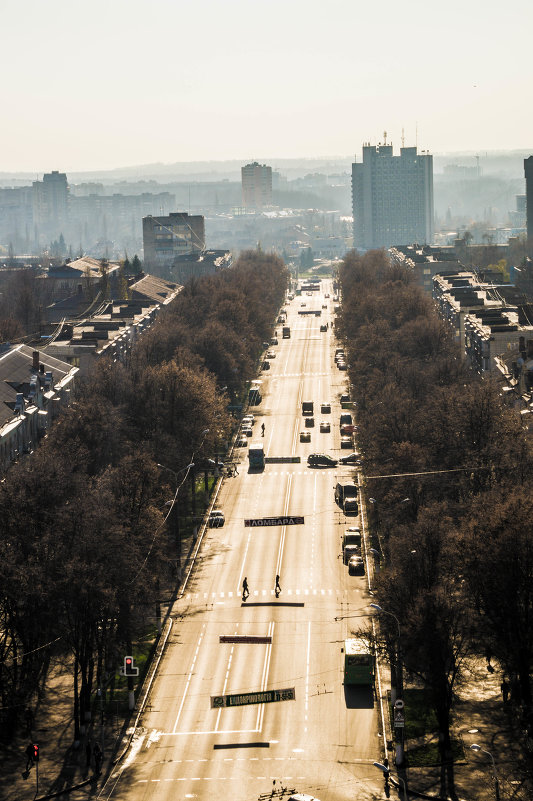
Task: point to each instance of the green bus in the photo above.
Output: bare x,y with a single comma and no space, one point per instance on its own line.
256,456
358,662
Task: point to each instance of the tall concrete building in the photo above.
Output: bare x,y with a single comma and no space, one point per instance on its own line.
51,203
392,198
166,238
256,186
528,169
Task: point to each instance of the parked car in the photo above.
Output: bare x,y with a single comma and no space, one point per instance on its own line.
266,366
326,295
342,365
247,431
216,518
356,566
323,328
345,398
346,442
249,419
274,341
351,458
271,354
305,436
324,305
347,428
324,427
241,442
321,460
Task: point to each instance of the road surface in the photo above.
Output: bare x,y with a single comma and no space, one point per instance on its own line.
324,741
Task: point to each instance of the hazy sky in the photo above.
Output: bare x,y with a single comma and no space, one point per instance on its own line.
111,83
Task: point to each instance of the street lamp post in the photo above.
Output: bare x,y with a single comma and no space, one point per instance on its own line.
174,511
399,679
476,747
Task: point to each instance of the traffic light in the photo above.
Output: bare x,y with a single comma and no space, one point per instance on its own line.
35,752
129,668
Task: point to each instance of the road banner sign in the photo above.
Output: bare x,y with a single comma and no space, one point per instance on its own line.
253,638
275,521
244,699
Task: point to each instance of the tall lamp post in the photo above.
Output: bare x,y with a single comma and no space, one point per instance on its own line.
476,747
399,679
174,510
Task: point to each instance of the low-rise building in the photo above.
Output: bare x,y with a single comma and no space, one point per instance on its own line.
34,387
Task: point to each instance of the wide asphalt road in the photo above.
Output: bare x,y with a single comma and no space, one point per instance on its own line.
324,741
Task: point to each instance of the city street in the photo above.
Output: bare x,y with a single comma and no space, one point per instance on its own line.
323,740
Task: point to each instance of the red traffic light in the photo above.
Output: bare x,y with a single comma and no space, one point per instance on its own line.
35,752
129,667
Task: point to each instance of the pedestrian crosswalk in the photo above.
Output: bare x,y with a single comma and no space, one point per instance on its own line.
262,593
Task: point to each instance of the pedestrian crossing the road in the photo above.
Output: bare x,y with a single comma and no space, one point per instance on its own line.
210,597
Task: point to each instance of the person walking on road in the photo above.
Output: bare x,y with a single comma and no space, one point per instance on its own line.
245,590
262,429
278,586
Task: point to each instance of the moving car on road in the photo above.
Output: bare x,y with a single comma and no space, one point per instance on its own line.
305,436
325,408
216,518
321,460
325,426
346,442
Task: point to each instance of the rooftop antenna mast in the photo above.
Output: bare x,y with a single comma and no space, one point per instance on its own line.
403,138
384,137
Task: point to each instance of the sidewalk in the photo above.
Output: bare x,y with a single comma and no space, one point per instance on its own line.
61,765
481,718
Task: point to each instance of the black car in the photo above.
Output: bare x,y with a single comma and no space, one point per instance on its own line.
352,458
321,460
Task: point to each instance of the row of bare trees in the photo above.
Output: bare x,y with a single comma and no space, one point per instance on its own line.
83,540
449,472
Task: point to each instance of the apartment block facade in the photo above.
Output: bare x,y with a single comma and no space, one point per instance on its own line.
256,186
392,198
167,238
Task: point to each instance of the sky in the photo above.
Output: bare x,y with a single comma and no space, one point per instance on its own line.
118,83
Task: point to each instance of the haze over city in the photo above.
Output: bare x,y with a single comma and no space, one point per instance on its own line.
117,83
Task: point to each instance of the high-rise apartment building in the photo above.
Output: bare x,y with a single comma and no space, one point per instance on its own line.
166,238
392,198
528,169
51,202
256,186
